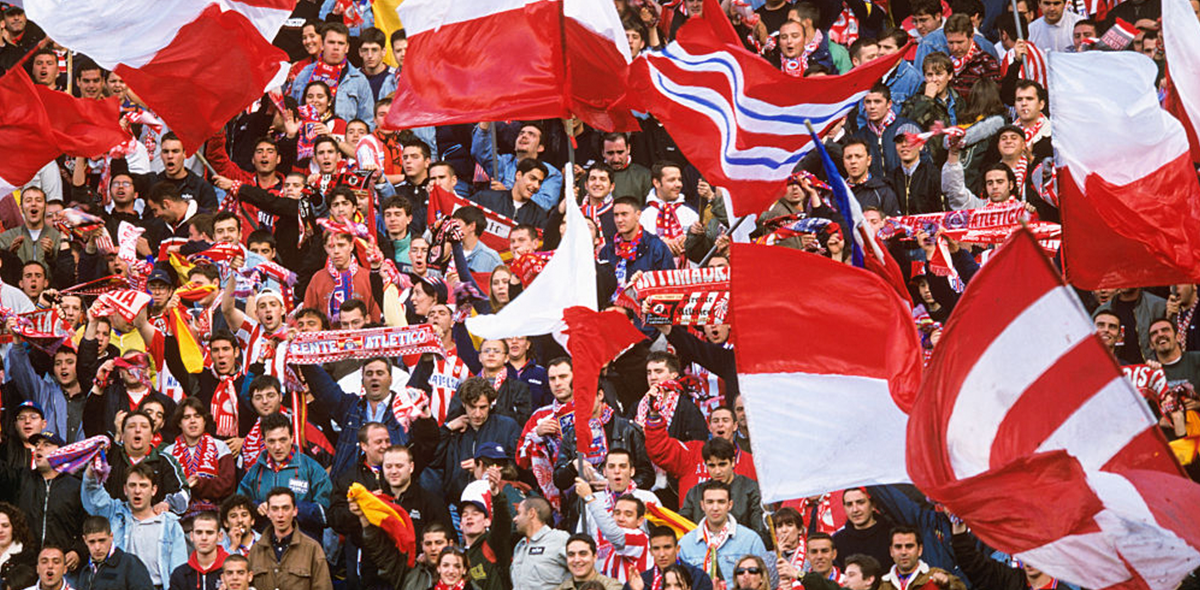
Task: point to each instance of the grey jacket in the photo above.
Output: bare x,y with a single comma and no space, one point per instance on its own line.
540,563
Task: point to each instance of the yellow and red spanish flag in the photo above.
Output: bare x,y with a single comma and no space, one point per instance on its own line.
388,516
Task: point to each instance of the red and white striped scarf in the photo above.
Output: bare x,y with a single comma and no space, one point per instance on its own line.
448,373
498,380
594,212
224,406
880,127
197,461
667,224
1021,171
1033,66
1032,131
960,63
253,445
713,542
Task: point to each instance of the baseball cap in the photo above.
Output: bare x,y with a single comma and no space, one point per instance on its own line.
31,405
12,9
906,128
491,450
1012,128
159,274
49,437
269,293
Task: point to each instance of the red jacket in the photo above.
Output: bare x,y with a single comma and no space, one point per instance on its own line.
683,461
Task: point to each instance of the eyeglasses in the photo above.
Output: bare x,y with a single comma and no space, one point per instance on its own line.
747,570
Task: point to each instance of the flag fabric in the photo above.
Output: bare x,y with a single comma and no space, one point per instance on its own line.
196,64
861,237
512,59
190,351
443,203
1181,40
1026,429
389,516
1129,197
659,516
38,124
594,339
568,280
826,378
737,118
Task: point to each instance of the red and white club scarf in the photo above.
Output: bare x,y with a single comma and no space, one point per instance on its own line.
960,63
668,399
330,75
224,407
253,445
713,542
198,461
667,224
879,128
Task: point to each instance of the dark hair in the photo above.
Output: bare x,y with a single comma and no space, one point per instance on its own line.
660,531
457,552
274,422
1163,319
662,356
417,143
679,570
903,529
1022,84
1007,24
938,61
1086,22
602,167
162,191
96,524
856,141
234,558
365,430
527,164
474,388
1008,173
281,491
818,535
714,484
143,470
195,404
137,412
807,11
584,537
32,262
225,335
339,28
856,48
719,448
328,93
1108,312
398,202
616,136
868,566
628,200
20,528
437,527
473,216
656,173
619,451
86,64
398,35
203,223
984,101
959,23
208,515
262,382
560,360
233,502
261,236
372,35
968,8
313,312
641,506
317,145
225,216
881,88
354,304
788,515
925,7
209,272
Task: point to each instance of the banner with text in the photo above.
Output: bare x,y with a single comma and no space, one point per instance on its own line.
311,348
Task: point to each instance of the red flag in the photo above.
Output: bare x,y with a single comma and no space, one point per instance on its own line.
1129,196
512,59
811,366
1026,429
195,63
38,124
443,203
595,338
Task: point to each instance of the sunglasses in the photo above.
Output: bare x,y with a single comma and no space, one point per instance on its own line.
747,570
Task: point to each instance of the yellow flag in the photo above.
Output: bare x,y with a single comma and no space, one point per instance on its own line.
388,21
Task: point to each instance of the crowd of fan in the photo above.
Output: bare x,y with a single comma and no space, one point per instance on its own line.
211,485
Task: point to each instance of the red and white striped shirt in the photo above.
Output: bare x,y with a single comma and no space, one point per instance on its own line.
630,560
1032,68
448,372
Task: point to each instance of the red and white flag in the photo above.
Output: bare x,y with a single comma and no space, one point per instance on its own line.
828,362
1129,197
195,63
595,339
512,59
1181,40
38,124
1026,429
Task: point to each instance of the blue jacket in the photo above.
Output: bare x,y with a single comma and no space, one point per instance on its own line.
884,157
548,194
936,41
935,528
652,254
349,411
173,550
44,390
304,476
354,100
903,82
368,15
743,541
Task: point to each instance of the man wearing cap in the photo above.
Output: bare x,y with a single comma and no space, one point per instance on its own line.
59,395
19,36
488,536
49,500
915,179
30,419
161,284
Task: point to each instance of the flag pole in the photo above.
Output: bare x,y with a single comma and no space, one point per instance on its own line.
495,158
70,71
713,251
1017,21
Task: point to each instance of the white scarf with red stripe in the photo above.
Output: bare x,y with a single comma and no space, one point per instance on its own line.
667,225
960,63
224,406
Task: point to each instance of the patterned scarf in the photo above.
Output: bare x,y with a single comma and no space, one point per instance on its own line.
278,466
309,117
626,251
1182,322
330,75
498,380
879,128
667,222
795,66
1032,131
845,29
253,445
713,541
594,212
670,391
224,406
1021,171
199,461
442,586
343,286
960,63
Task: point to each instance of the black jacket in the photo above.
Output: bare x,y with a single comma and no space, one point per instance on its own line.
621,433
501,202
874,192
361,571
168,476
120,571
921,192
192,187
53,508
716,358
